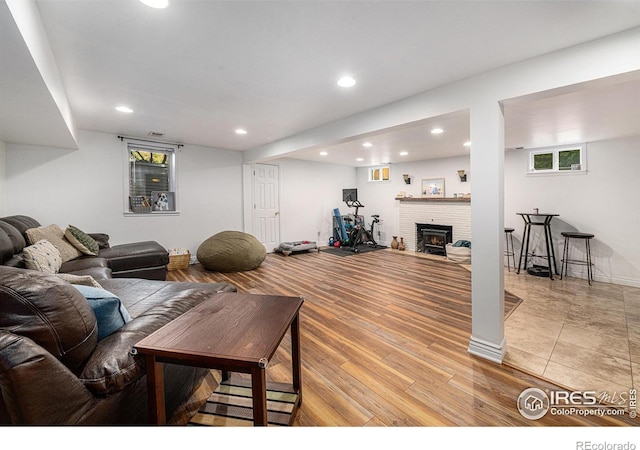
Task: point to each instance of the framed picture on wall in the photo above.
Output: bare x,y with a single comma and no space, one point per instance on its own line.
433,187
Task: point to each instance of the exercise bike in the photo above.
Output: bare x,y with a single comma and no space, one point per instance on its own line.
358,234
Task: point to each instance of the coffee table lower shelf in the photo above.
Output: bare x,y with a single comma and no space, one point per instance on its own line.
231,405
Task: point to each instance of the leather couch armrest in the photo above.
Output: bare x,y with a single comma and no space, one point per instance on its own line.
114,364
101,238
36,388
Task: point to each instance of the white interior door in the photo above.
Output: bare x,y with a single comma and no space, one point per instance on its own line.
266,214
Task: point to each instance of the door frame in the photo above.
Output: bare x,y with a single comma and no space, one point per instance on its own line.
248,199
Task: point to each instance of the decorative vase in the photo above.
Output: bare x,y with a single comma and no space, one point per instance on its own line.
401,245
394,243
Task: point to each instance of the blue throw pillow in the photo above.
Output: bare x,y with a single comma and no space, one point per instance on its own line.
108,308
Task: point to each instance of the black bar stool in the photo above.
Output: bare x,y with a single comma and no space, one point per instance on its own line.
586,237
508,237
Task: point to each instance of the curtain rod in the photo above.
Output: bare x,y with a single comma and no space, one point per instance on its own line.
122,138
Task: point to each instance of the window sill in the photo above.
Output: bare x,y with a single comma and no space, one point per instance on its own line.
435,199
556,172
152,213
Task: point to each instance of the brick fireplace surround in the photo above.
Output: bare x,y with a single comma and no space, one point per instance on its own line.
454,212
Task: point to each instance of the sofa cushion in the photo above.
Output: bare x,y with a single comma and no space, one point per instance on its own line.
42,256
114,364
81,240
54,234
21,223
50,312
6,247
136,255
109,310
102,239
17,239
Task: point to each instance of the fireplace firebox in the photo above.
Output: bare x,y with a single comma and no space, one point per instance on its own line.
432,238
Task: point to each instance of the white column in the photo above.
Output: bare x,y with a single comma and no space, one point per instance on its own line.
487,231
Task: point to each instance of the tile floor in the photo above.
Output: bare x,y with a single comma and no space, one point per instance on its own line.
579,336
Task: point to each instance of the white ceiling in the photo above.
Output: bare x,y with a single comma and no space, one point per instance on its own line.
198,70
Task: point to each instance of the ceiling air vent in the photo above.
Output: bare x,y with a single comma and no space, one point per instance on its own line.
155,134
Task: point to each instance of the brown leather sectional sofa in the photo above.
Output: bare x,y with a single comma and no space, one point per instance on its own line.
53,368
146,259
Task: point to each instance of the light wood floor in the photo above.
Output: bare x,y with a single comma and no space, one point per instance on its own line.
384,339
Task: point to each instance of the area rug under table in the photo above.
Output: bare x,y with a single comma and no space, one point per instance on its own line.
231,405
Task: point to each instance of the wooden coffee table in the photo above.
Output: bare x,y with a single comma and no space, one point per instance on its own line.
231,332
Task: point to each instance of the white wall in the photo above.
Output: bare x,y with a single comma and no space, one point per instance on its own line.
85,188
3,178
603,202
379,197
308,194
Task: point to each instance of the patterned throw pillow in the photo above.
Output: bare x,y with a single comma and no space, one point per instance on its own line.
55,235
85,280
82,241
42,256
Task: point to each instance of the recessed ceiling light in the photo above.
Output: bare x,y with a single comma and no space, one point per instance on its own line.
158,4
367,144
124,109
467,144
359,159
346,82
404,153
437,131
241,131
323,153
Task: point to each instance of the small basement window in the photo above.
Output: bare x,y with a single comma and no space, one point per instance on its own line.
558,160
151,177
379,173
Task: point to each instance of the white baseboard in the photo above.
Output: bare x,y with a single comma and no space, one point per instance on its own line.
603,278
488,350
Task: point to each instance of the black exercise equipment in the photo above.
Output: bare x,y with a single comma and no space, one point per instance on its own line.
358,234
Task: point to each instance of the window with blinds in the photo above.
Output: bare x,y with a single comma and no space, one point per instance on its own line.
152,183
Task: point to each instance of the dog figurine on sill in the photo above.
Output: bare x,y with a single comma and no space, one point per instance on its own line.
162,203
